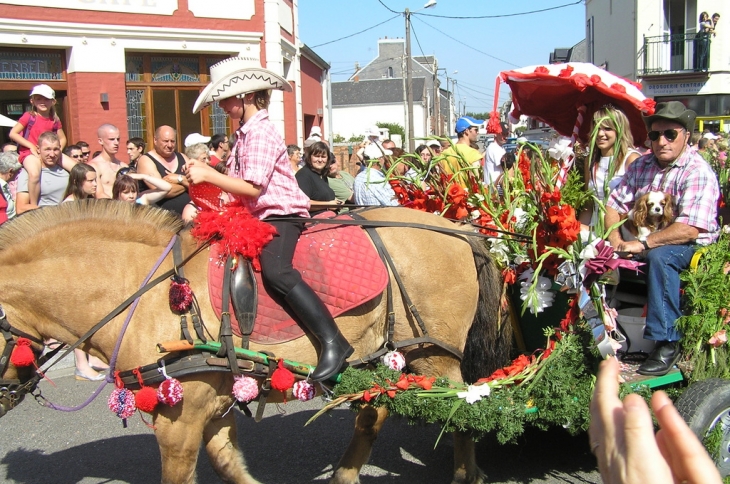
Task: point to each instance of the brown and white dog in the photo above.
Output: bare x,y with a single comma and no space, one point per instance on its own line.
653,211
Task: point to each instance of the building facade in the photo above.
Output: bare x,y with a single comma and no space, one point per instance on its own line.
139,64
656,42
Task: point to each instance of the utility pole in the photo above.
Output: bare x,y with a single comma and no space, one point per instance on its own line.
409,83
437,125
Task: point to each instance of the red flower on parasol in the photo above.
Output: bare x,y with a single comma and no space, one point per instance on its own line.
554,93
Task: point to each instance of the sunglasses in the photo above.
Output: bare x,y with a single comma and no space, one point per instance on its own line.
77,156
125,171
669,134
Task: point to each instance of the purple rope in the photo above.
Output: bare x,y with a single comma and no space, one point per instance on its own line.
112,362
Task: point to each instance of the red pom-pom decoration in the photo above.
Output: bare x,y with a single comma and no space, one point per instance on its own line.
22,354
282,379
303,390
146,399
493,125
121,402
181,296
245,388
394,360
170,392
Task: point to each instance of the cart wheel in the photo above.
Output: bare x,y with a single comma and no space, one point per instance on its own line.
704,405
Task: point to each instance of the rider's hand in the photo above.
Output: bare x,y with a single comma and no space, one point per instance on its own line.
632,247
197,171
622,438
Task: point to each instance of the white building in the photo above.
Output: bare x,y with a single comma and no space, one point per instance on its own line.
654,42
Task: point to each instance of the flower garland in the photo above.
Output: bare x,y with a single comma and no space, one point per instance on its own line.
551,387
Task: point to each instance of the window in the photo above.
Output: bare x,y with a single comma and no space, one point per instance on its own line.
162,89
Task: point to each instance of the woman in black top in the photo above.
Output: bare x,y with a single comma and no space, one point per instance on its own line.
312,178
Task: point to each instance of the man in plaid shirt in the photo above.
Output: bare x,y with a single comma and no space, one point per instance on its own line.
675,168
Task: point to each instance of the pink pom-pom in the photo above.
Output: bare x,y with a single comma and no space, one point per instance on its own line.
146,399
170,392
245,388
303,390
121,402
394,360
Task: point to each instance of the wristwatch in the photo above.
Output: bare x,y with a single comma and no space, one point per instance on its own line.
180,179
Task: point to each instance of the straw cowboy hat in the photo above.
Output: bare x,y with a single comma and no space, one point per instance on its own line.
237,76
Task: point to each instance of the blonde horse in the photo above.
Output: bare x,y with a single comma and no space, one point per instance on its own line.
62,269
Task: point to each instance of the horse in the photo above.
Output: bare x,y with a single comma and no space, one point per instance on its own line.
63,269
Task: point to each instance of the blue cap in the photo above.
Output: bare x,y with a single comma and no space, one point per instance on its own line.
467,122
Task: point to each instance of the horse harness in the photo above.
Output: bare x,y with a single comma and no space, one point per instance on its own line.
239,290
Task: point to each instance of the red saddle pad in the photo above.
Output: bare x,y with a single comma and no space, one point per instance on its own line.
338,261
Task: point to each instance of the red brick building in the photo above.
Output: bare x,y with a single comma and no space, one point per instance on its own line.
139,64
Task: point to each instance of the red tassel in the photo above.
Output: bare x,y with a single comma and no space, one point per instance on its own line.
282,379
493,126
22,354
181,296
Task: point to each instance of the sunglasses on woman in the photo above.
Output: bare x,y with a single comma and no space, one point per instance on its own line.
669,134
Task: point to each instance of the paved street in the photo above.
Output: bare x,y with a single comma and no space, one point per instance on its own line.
42,446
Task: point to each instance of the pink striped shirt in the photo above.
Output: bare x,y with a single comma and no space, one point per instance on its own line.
259,157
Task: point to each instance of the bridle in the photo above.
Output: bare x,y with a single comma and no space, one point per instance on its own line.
14,390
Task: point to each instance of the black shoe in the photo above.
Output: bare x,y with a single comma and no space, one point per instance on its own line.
314,315
661,360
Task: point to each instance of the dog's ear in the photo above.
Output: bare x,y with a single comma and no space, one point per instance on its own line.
668,216
640,210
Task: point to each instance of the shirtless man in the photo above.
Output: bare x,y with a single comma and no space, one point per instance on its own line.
106,164
166,163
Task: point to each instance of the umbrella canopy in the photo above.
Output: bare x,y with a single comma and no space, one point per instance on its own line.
7,122
555,92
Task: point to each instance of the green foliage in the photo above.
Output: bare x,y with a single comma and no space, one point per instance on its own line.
355,138
559,394
393,128
574,193
338,138
482,116
707,308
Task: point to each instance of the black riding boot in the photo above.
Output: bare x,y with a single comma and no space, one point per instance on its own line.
314,315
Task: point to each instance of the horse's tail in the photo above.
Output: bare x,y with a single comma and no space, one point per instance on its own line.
489,341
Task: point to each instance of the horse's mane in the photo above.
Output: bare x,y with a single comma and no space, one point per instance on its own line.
112,214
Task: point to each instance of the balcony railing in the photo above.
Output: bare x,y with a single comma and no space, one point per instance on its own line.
671,54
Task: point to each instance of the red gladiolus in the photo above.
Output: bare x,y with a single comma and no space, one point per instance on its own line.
391,393
509,276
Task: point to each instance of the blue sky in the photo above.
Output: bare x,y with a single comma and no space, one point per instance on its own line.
505,43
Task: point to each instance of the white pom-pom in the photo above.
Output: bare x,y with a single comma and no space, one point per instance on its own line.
394,360
170,392
303,390
245,388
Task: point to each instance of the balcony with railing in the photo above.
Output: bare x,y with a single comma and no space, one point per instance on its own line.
674,54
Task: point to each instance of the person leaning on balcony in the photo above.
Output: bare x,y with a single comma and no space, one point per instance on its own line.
715,20
674,168
702,42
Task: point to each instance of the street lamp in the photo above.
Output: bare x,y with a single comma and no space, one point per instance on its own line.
409,78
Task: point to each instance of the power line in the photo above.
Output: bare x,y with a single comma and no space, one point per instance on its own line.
467,45
496,16
356,33
393,11
417,41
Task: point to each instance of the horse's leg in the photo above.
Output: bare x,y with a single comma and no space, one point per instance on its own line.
368,423
221,444
179,440
465,464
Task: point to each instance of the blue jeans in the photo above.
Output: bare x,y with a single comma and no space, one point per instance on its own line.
664,266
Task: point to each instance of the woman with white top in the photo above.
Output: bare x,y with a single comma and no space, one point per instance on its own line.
612,151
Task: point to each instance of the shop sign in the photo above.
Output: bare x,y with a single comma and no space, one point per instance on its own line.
676,88
31,66
154,7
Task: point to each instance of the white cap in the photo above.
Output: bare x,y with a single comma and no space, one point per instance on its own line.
316,131
374,151
710,136
43,90
195,138
373,131
433,142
